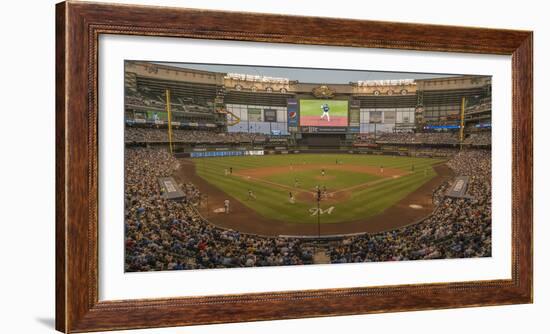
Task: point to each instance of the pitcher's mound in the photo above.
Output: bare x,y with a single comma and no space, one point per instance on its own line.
415,206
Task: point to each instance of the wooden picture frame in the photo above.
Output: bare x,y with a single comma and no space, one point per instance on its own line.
78,26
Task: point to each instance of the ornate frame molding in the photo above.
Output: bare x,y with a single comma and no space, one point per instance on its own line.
78,27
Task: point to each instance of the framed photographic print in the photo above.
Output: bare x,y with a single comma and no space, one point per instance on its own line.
211,169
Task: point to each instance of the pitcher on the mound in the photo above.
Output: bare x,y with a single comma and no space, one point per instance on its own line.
326,110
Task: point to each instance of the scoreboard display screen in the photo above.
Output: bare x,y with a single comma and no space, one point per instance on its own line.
323,113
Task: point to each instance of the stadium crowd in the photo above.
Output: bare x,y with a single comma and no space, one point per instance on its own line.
170,235
481,105
364,139
145,98
418,138
428,138
155,135
160,135
435,151
481,139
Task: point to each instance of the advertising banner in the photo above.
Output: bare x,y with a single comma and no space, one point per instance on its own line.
292,114
375,116
254,115
354,113
270,115
157,115
209,154
389,117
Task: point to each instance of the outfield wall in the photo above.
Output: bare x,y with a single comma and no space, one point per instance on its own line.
220,150
305,150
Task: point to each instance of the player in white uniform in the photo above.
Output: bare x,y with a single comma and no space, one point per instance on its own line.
251,195
326,110
226,205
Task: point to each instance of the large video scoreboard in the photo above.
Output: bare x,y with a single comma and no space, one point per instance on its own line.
324,113
323,116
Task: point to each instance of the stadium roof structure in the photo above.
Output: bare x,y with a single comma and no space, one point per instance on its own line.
306,75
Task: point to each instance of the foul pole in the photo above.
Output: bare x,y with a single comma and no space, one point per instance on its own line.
319,212
169,111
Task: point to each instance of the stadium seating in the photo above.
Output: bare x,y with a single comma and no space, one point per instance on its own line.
446,138
479,139
160,135
171,235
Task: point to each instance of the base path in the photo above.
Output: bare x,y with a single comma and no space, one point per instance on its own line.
246,220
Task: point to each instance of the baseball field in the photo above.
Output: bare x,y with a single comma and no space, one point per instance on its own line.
282,188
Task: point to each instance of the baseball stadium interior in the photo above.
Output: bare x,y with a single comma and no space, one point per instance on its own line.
183,123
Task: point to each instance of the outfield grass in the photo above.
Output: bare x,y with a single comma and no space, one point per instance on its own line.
272,201
333,179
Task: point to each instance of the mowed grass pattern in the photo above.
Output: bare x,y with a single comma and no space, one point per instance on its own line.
272,201
333,179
